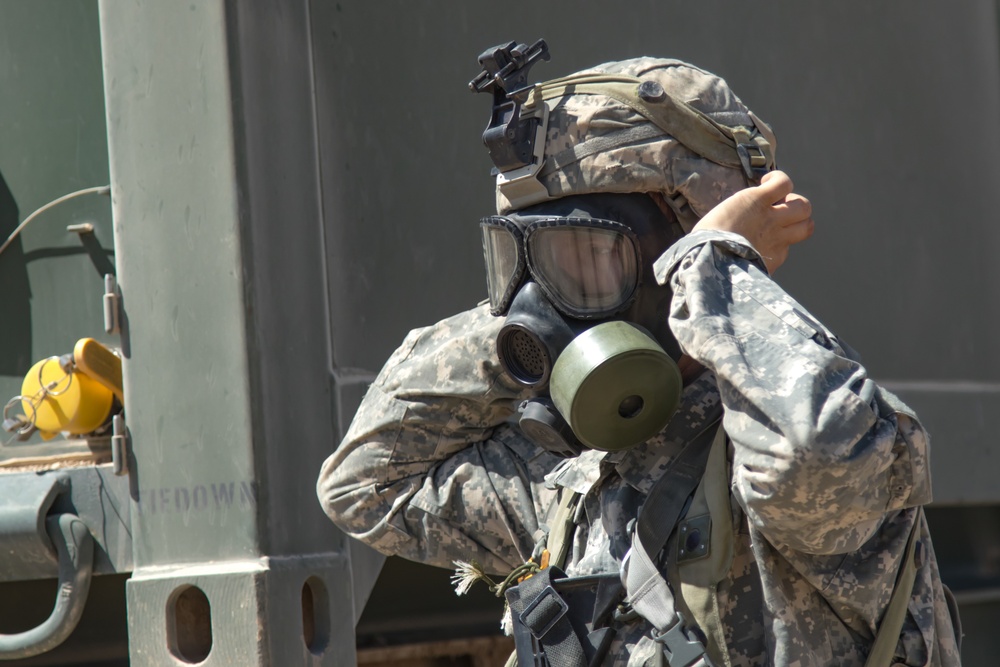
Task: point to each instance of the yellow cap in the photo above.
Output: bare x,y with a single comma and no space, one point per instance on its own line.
59,401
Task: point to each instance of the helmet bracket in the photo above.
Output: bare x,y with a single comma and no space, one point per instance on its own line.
509,137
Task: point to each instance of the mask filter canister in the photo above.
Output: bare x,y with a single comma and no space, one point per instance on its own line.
615,386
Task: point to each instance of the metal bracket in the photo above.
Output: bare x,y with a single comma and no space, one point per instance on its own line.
119,445
510,139
26,549
112,304
35,546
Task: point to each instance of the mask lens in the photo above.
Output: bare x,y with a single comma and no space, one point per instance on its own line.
504,265
588,271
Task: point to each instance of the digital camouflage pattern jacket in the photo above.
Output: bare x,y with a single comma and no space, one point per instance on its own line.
827,470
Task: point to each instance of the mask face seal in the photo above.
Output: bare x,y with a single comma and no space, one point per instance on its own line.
615,386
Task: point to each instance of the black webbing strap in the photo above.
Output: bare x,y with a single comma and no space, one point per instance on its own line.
649,593
666,500
541,610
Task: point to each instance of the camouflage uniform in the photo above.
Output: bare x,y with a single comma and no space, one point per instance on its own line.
827,470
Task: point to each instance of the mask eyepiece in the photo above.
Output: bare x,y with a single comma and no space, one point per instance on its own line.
589,268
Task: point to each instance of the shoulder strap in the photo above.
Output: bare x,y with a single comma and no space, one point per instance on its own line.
665,501
698,577
648,591
892,622
541,612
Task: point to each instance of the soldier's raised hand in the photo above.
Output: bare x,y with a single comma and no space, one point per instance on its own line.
770,216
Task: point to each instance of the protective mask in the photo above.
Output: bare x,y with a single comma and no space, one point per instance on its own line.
586,321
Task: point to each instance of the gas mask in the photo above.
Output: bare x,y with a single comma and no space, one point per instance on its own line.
586,322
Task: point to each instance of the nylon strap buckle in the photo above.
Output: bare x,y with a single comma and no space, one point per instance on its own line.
754,165
544,612
682,650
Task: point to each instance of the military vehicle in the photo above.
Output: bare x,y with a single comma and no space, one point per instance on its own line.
296,183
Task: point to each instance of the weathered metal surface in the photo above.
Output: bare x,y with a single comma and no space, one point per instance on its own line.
27,551
74,550
255,613
227,369
94,494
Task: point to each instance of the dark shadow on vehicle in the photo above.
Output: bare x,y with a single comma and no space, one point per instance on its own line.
15,293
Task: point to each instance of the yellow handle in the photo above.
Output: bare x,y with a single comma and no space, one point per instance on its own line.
100,364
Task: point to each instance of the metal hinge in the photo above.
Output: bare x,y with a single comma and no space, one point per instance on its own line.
112,304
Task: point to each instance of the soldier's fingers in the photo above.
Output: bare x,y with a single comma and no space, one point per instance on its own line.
792,209
774,186
798,232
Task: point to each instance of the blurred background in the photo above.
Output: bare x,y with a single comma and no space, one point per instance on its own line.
886,117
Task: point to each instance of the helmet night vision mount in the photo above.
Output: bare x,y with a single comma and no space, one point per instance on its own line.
515,140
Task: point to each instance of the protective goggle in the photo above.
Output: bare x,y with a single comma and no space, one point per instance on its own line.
587,267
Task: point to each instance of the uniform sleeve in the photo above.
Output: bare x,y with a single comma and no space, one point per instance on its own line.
821,453
430,469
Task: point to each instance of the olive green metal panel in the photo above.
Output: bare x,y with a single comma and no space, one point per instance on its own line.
52,142
292,378
256,614
176,210
883,113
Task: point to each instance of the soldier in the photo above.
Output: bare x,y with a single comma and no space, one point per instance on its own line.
565,438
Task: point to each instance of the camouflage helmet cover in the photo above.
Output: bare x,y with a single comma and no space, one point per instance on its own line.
654,162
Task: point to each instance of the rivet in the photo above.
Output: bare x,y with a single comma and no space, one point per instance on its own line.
651,91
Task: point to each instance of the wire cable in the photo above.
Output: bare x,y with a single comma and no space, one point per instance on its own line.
100,190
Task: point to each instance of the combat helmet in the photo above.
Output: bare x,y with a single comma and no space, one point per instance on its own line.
649,125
